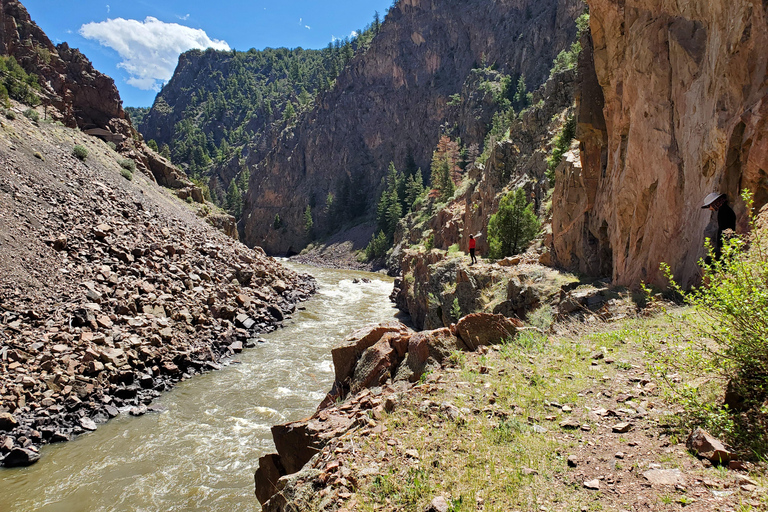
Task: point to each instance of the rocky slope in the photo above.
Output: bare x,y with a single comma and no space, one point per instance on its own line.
673,107
78,95
389,105
112,290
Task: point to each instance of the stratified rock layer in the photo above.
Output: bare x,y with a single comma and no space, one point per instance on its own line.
673,107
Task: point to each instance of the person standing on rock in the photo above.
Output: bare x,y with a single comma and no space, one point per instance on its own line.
472,245
726,219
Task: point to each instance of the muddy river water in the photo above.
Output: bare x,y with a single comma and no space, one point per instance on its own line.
202,451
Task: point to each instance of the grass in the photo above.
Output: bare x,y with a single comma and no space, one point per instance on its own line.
493,455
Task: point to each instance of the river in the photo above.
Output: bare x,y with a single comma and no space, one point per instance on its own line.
202,451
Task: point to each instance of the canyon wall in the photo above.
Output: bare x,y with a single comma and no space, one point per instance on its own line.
390,102
672,107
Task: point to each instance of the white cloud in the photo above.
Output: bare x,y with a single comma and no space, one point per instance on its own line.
307,27
150,49
353,34
183,18
108,9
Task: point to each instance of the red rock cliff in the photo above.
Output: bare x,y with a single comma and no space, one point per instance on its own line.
673,107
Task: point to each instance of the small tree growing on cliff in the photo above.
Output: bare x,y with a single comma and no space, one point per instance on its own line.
513,226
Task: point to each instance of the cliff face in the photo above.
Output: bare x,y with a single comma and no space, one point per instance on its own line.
673,107
389,104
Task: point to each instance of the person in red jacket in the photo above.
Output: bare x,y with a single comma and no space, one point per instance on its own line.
472,245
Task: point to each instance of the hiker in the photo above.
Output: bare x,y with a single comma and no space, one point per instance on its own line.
472,245
726,219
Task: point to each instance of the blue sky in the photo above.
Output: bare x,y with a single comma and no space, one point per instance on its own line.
137,42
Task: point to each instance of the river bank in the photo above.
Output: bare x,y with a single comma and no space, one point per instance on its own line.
200,451
571,419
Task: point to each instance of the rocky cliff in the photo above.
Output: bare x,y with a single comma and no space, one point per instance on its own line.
389,105
78,95
672,107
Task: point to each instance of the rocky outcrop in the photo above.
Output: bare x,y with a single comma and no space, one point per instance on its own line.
436,289
389,105
373,365
672,107
112,290
78,95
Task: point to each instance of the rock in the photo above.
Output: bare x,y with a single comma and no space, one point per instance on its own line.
664,477
267,474
621,428
297,442
704,445
20,457
480,329
438,504
7,422
374,367
346,355
88,424
572,461
592,485
570,424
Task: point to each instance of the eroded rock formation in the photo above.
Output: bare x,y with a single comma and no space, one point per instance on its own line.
673,107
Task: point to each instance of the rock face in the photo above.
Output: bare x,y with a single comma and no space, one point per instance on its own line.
672,107
389,105
372,365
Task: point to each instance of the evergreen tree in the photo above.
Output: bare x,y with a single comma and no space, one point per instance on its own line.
513,226
234,200
441,177
153,145
289,113
308,222
520,99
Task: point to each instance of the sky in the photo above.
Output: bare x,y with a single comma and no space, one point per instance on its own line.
138,42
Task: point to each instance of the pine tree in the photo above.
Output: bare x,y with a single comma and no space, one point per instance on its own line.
308,222
513,226
234,200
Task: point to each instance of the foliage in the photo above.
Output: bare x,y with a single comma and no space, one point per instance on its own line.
80,152
234,199
397,199
441,177
308,222
731,341
561,144
568,59
127,174
137,115
128,164
111,145
277,223
32,115
513,226
17,84
377,247
456,309
153,145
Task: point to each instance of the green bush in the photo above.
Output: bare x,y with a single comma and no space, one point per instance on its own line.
730,342
10,114
125,173
80,152
128,164
377,247
32,114
16,83
561,144
111,145
513,226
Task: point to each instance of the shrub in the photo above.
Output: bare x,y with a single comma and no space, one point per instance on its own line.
127,164
125,173
32,114
730,324
513,226
80,152
377,247
561,144
111,145
10,114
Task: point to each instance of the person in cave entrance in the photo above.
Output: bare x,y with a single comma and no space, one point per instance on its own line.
726,219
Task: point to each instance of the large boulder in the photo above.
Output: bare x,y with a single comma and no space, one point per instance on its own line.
375,365
346,355
480,329
297,442
268,473
427,349
20,457
7,421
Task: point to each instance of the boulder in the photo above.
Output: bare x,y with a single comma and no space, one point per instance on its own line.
480,329
375,366
345,356
428,348
706,446
20,457
297,442
267,474
7,421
